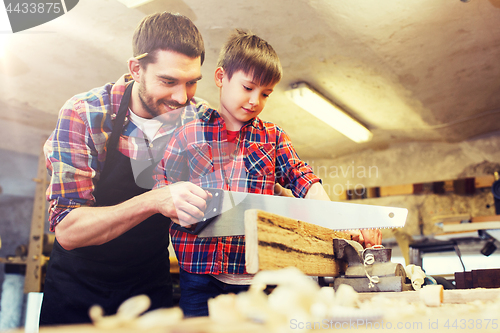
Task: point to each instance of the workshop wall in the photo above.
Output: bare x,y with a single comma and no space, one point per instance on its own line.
17,171
15,218
418,162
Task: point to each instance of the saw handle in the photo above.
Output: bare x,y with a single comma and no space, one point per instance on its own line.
214,208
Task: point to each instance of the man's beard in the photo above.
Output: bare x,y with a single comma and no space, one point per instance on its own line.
152,107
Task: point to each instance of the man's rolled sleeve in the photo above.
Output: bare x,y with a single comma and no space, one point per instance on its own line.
71,159
58,209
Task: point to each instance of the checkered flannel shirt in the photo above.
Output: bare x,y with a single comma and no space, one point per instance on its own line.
199,152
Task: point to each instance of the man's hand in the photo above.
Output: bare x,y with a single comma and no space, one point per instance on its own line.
183,202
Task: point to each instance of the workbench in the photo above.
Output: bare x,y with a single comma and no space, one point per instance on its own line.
462,310
467,310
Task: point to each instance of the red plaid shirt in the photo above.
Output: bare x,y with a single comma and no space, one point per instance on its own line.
200,152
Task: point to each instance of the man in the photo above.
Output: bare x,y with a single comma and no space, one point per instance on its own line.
111,230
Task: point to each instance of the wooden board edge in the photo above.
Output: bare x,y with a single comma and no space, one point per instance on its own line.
251,241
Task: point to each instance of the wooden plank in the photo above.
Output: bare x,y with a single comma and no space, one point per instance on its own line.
457,218
484,181
373,192
450,227
460,280
396,190
463,186
486,278
454,224
468,280
491,218
463,280
273,242
35,259
343,195
449,186
423,188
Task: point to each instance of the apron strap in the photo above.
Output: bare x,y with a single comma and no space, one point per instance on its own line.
120,118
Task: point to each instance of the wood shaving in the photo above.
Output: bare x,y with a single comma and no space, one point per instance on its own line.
129,314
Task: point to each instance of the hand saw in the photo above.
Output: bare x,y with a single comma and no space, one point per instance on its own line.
225,213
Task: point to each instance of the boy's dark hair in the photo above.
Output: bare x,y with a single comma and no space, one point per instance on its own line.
168,32
251,54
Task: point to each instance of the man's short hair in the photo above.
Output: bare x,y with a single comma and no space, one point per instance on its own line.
168,32
248,52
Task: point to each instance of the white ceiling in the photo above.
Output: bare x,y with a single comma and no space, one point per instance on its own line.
410,70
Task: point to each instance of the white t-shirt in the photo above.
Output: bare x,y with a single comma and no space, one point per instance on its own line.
150,127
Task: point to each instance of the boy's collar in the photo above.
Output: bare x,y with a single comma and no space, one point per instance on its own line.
257,123
207,115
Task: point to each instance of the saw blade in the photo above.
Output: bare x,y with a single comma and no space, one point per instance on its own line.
225,214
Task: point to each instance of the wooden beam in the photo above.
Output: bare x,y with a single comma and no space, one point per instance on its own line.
396,190
273,242
463,186
484,181
453,224
491,218
35,259
456,218
470,226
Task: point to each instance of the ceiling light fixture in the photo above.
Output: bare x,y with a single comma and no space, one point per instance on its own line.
317,105
134,3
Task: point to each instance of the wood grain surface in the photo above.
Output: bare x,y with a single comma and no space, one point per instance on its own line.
274,242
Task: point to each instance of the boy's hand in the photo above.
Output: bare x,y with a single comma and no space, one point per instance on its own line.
371,237
366,237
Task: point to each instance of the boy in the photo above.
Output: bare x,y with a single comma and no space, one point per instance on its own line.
231,149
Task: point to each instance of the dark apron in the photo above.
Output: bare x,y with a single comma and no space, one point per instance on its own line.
135,263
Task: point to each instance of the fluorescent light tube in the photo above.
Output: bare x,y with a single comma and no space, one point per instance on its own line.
317,105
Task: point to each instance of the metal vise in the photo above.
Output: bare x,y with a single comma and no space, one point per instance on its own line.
369,270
